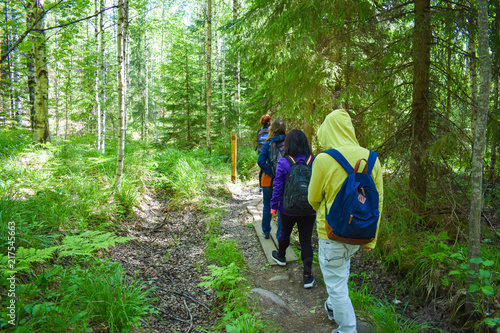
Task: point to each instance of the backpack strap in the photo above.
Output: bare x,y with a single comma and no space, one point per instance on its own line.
372,158
309,160
347,166
340,159
290,159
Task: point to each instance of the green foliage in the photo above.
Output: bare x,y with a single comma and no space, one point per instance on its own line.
107,296
482,282
426,274
83,244
385,319
247,163
181,174
93,293
227,279
381,314
224,252
224,279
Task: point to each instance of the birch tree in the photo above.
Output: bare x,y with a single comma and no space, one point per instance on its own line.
96,76
236,9
41,124
102,72
209,72
122,7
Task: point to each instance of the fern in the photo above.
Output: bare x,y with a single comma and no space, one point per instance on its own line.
84,244
24,258
87,243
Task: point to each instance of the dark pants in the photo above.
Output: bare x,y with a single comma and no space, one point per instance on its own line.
267,193
305,224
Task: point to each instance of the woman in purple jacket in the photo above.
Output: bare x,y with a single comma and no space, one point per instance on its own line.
296,146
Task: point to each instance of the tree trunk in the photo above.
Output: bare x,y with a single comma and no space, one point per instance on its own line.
223,106
122,7
126,53
41,123
146,93
236,9
420,105
494,138
479,126
209,73
102,76
188,107
96,77
30,64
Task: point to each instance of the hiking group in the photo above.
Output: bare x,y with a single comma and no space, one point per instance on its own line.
340,191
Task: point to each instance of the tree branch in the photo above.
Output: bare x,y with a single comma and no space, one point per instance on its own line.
32,28
79,20
24,34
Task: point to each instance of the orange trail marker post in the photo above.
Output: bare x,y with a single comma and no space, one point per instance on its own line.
233,158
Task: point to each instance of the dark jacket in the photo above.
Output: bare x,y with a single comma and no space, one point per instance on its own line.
264,160
282,170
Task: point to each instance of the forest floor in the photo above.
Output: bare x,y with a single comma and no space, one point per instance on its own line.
168,251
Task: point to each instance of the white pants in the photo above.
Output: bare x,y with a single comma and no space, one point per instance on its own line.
335,260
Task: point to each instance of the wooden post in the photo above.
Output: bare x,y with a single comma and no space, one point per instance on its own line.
233,157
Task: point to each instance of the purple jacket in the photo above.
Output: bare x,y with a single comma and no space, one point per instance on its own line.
282,169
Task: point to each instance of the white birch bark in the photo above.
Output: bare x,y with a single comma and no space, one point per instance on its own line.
102,76
121,92
41,124
146,93
96,78
209,72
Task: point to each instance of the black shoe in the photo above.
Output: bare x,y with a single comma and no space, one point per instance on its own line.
266,236
308,281
280,260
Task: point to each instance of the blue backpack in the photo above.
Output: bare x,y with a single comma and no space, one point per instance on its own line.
354,214
262,134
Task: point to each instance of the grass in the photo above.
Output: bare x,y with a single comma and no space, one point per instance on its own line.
47,194
227,278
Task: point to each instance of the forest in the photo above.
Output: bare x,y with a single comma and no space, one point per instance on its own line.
105,104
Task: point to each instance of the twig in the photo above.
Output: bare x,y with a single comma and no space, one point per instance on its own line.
174,317
491,224
190,317
190,297
158,226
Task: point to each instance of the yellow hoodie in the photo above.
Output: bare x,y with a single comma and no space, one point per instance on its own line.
327,175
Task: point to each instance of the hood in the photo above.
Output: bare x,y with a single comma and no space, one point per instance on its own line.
277,138
337,130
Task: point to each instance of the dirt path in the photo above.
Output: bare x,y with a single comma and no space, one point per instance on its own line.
168,251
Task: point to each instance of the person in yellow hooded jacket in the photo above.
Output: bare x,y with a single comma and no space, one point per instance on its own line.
327,177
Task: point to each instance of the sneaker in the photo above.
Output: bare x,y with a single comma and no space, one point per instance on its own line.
280,260
266,236
329,311
308,281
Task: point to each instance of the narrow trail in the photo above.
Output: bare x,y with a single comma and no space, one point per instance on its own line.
168,251
282,299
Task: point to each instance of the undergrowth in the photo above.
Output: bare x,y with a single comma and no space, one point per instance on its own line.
227,278
430,257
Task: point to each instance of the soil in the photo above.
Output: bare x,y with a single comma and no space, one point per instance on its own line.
168,252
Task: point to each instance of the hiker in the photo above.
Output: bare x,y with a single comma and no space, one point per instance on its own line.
271,152
262,135
297,150
327,178
263,132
